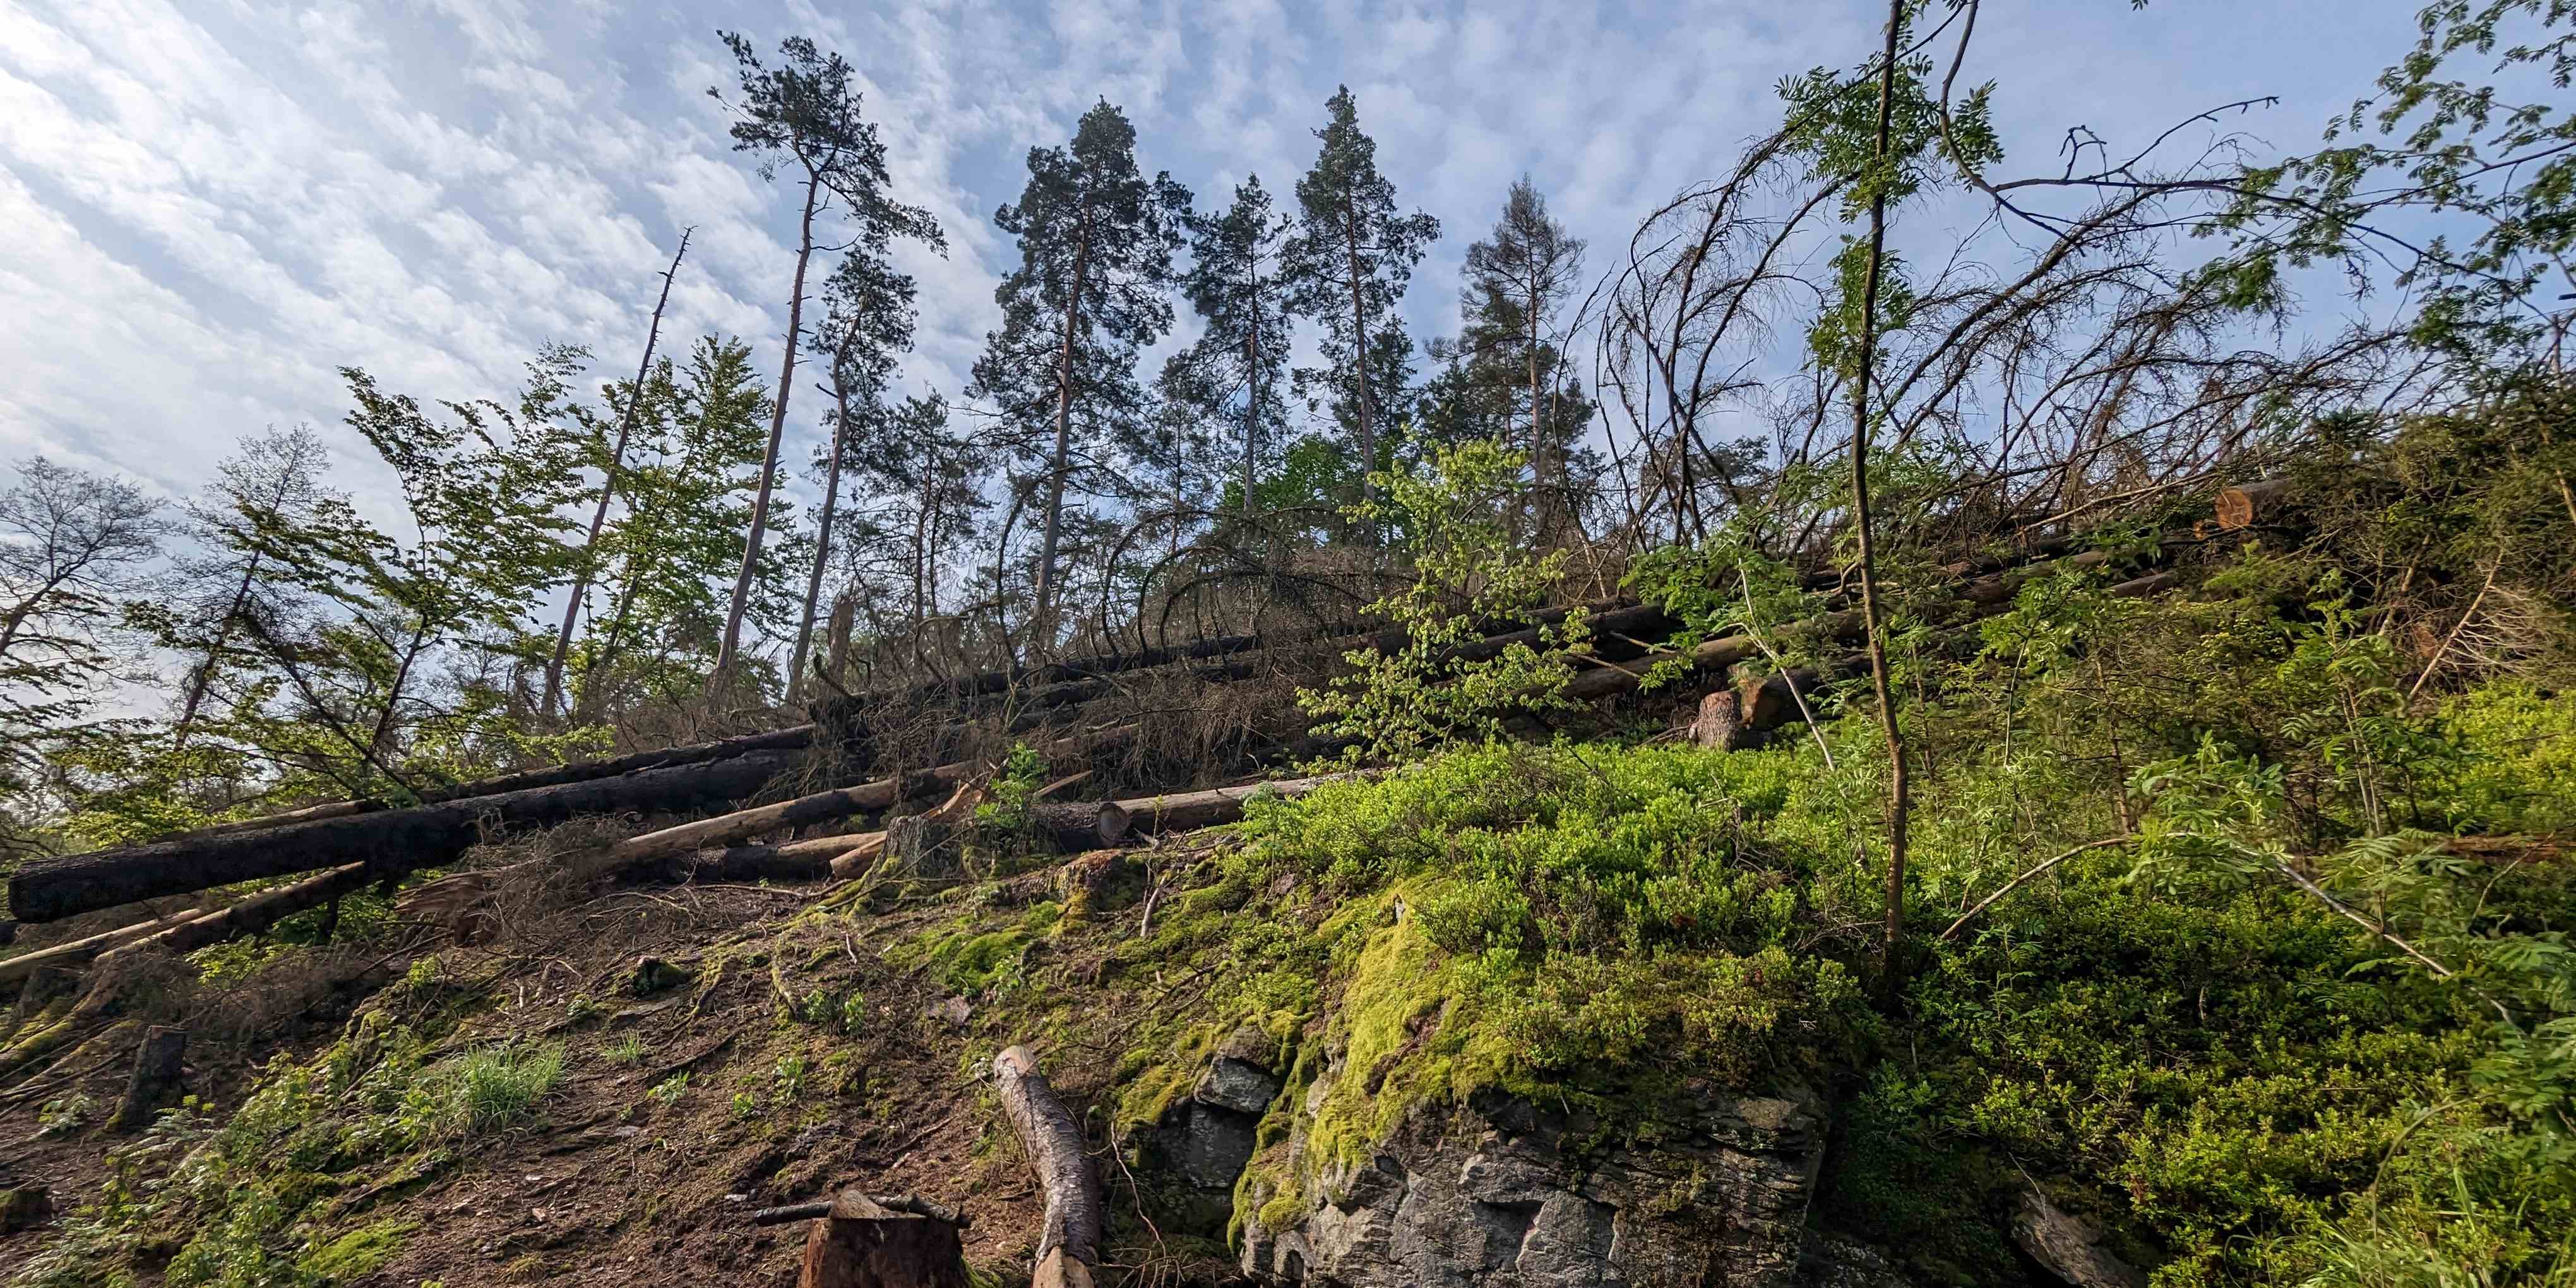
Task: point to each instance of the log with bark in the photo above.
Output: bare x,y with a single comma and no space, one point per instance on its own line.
1081,679
250,916
1069,1242
1977,597
792,739
390,841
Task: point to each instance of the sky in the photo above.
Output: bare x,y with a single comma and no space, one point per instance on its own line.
207,208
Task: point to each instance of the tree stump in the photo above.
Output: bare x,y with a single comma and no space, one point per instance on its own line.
1720,726
924,845
25,1208
44,984
156,1076
863,1245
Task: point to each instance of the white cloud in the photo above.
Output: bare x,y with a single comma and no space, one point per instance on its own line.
214,205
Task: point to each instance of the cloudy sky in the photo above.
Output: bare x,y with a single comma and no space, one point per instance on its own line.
210,205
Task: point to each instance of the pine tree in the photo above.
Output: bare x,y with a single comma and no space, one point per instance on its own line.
928,490
868,321
1350,261
1230,375
1517,281
806,111
1096,241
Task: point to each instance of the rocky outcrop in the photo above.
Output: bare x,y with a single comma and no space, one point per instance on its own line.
2070,1247
1207,1136
1506,1195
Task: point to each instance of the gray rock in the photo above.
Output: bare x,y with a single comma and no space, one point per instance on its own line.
1210,1135
1211,1144
1239,1085
2069,1246
1836,1262
1497,1197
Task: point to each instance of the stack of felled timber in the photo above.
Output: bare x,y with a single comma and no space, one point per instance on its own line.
343,846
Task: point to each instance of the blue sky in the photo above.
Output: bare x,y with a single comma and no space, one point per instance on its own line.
210,206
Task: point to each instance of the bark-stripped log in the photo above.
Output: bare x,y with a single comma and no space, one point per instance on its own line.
819,807
81,950
398,840
251,915
809,860
1189,811
1069,1244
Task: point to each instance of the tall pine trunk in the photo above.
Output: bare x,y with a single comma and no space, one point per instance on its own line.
1252,390
777,431
1891,948
1538,439
1359,351
607,489
1042,634
822,538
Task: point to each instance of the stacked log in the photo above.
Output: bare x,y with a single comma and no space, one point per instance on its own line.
396,840
717,775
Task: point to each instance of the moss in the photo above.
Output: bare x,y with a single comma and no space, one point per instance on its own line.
358,1253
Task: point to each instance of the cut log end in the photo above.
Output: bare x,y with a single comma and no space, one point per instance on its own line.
2240,506
1720,726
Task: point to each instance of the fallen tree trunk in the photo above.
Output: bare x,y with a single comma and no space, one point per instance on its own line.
793,739
1079,680
1978,597
250,916
1069,1243
390,841
81,950
795,861
829,806
1190,811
